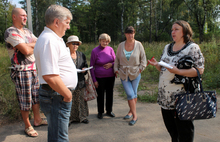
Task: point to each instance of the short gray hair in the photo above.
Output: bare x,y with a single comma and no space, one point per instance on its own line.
57,11
104,36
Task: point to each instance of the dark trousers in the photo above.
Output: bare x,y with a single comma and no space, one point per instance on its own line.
105,85
179,130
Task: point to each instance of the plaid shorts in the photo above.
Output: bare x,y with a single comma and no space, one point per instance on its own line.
27,86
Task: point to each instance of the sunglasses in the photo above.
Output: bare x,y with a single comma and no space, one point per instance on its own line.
74,43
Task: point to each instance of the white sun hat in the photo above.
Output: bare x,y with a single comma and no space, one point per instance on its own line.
73,38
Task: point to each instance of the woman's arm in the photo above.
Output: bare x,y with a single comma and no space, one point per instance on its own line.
92,63
143,61
117,63
85,65
197,55
186,72
110,64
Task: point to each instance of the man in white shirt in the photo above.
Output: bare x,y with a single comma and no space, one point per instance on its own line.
57,72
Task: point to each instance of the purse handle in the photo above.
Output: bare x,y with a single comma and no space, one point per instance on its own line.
201,88
199,77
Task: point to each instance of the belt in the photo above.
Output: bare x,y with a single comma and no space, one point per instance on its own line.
48,88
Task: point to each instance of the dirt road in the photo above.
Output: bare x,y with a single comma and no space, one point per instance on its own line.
149,127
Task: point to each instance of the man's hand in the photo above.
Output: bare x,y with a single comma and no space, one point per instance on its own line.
68,98
57,84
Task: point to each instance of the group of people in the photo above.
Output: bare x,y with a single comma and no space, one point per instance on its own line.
61,88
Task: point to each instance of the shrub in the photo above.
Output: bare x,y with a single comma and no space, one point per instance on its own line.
9,104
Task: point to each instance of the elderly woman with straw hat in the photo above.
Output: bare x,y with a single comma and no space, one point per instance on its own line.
79,111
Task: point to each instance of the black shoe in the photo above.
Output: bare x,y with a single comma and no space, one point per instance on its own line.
86,121
111,114
100,116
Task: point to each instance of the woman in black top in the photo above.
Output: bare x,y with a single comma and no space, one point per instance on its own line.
79,111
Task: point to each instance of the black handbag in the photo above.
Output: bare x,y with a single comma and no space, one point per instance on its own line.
198,105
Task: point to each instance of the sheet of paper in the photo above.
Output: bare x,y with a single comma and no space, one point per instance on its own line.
165,64
79,70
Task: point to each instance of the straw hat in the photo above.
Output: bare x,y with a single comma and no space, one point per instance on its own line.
73,39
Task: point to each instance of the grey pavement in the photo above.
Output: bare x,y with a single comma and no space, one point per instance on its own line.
149,127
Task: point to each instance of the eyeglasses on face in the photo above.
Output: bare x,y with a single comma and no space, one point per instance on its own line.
75,43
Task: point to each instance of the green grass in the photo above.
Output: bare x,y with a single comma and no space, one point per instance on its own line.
8,101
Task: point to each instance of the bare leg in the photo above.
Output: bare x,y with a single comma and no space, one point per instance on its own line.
132,105
135,100
36,111
25,117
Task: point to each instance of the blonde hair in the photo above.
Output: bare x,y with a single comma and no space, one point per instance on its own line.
57,11
105,36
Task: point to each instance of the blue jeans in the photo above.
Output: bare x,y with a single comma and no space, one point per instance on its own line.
131,87
57,112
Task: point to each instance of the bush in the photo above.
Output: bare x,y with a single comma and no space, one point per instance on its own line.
8,100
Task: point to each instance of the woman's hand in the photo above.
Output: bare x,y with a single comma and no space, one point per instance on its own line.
96,84
116,74
108,65
153,62
83,69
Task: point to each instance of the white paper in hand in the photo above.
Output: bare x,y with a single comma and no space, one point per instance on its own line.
165,64
79,70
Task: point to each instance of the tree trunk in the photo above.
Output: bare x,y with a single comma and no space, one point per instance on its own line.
95,33
122,23
150,36
36,19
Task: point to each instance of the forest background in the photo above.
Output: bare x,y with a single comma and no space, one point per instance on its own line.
152,20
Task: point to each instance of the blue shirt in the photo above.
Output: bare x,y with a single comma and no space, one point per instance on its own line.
128,54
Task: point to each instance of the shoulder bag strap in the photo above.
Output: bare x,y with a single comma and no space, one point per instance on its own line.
199,76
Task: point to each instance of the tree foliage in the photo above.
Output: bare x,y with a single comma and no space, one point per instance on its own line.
152,19
5,17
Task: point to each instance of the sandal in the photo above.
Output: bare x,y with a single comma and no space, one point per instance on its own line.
31,132
42,123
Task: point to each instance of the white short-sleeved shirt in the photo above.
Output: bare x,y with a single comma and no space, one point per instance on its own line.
166,89
52,57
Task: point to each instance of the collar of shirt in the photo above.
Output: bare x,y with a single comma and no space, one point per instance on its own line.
49,30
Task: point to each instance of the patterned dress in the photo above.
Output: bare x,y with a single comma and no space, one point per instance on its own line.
79,111
166,89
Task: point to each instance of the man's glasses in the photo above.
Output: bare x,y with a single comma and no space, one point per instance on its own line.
74,43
